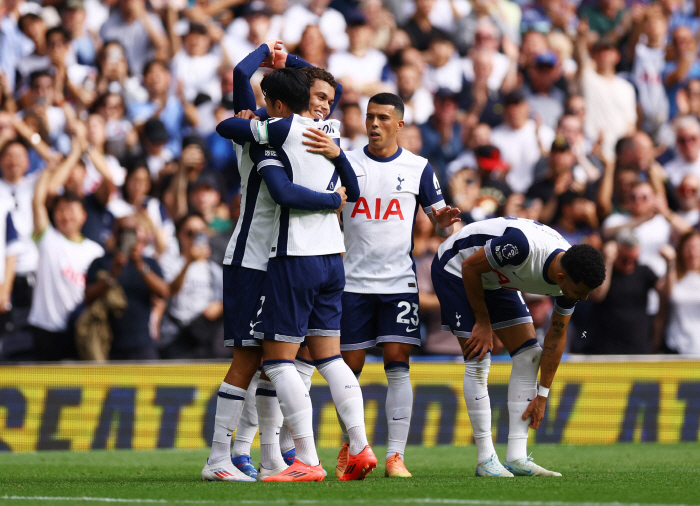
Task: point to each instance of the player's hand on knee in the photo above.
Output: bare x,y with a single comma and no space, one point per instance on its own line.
247,114
480,342
535,410
344,198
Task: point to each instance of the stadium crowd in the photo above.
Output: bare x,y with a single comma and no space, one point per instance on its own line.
118,198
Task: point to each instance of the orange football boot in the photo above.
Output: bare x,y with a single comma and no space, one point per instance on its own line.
299,471
395,468
360,465
342,460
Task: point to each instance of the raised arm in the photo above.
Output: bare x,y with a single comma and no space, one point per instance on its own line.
243,95
240,130
41,214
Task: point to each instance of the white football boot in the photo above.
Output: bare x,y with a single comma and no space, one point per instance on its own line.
223,471
526,467
264,473
492,468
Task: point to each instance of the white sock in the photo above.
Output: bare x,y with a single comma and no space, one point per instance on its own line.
399,405
306,370
522,388
347,398
270,419
296,407
345,438
248,426
229,405
476,396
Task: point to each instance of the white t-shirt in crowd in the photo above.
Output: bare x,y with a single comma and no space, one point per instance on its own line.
419,108
21,195
500,68
60,279
331,22
611,107
678,167
198,74
521,150
450,76
362,69
683,330
203,284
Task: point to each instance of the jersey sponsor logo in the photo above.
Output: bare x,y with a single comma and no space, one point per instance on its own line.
362,207
398,187
510,250
438,190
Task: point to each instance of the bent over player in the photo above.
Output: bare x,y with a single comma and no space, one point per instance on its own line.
478,275
380,301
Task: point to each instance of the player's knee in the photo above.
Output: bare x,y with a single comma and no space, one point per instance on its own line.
528,354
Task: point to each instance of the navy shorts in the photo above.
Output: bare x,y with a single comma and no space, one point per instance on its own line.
242,299
506,307
302,297
371,319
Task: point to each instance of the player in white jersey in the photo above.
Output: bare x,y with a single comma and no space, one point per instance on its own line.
304,285
380,301
478,275
245,265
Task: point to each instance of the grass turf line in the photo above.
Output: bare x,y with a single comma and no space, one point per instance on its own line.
625,473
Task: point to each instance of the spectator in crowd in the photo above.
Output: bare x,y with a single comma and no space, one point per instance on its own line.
442,133
158,156
683,64
620,324
193,323
522,141
64,258
82,43
360,67
687,159
316,12
480,135
420,28
9,248
142,280
445,69
682,294
487,39
140,33
411,139
418,101
611,106
482,103
689,199
545,99
114,76
33,28
354,134
312,47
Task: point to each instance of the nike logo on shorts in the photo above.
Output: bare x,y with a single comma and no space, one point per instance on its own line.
409,329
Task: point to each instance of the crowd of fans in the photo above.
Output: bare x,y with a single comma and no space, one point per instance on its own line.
117,196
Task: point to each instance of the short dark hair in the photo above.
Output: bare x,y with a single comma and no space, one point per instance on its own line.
583,262
314,74
11,143
149,65
37,74
289,86
181,222
57,29
389,99
68,198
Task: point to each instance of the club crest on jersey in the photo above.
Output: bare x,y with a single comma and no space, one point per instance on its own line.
398,188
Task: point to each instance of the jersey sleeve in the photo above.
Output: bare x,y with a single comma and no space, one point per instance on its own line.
347,177
243,95
564,306
430,193
282,190
512,248
272,131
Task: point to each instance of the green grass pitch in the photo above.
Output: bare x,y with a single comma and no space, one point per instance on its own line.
625,474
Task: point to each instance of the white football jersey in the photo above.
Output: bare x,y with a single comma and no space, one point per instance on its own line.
519,250
60,278
379,226
296,232
249,245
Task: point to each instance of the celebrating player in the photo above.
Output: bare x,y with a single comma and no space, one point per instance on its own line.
478,275
380,301
323,94
304,285
245,264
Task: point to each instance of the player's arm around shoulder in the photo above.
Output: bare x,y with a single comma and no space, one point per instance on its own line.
553,348
321,143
